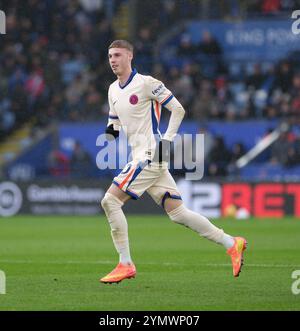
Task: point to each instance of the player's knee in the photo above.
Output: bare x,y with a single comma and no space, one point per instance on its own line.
105,202
171,200
110,203
177,214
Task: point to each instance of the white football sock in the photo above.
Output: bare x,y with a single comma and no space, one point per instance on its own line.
200,224
118,224
227,241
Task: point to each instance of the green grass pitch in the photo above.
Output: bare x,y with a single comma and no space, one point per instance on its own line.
54,263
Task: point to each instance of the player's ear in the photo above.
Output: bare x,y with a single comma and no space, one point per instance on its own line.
130,55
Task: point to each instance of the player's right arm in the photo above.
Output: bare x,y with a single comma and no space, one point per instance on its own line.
114,124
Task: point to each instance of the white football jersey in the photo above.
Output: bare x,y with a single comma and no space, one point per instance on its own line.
136,107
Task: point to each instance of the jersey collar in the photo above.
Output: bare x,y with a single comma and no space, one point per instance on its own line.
134,71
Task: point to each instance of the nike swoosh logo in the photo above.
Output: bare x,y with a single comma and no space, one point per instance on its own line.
114,102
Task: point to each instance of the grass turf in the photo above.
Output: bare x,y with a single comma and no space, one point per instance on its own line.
54,263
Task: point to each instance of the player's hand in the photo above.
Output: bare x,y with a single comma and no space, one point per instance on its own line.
111,133
164,150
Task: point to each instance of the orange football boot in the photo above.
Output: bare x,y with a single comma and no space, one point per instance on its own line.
120,272
236,254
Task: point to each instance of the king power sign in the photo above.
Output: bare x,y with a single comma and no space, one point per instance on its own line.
2,22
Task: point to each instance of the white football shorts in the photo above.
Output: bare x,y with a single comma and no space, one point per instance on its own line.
138,177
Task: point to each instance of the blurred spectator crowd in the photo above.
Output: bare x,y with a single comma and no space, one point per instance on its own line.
171,12
53,61
53,67
208,89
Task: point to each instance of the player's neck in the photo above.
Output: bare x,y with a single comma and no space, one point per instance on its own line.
124,77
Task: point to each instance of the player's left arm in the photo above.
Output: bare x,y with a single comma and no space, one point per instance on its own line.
177,115
157,91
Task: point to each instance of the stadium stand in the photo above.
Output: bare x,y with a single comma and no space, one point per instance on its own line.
54,70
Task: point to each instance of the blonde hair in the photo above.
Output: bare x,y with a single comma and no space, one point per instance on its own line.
121,44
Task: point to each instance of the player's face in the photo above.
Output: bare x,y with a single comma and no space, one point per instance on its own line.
119,60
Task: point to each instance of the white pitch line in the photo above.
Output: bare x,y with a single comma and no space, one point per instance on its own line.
254,265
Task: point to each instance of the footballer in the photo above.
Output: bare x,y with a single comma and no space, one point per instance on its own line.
135,104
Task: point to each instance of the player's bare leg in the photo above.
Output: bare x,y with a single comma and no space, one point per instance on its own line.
235,245
112,204
113,189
